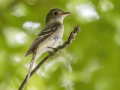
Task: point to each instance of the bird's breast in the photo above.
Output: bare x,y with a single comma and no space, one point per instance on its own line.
56,38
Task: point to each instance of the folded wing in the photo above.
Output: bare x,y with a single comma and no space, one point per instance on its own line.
46,32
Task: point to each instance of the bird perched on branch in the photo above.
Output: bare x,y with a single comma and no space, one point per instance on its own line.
50,37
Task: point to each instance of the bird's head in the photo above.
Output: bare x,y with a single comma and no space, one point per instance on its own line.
56,15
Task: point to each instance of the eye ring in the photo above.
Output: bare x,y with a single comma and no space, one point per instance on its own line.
55,13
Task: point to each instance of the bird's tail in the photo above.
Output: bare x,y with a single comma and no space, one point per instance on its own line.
34,57
30,67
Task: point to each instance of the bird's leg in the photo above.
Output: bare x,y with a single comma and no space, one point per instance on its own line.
49,53
52,48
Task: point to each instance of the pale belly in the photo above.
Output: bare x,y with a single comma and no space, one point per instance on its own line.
52,42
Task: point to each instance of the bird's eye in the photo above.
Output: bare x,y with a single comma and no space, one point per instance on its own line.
55,13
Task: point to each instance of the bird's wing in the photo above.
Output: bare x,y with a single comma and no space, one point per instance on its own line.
46,32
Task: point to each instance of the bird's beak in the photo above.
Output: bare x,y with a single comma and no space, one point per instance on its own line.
66,13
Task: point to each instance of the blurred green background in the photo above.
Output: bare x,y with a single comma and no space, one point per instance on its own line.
91,62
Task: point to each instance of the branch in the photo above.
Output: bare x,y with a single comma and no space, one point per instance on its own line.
51,54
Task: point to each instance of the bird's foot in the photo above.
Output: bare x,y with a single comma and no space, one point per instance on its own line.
55,49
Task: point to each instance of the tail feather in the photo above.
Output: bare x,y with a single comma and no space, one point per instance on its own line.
31,65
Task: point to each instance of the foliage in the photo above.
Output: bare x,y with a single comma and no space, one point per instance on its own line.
90,63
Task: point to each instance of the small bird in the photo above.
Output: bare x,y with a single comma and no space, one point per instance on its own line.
50,37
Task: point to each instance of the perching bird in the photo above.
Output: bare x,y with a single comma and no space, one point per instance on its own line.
50,37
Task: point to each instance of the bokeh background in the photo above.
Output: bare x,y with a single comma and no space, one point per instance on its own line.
91,62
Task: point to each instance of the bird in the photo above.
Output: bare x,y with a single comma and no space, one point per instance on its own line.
50,37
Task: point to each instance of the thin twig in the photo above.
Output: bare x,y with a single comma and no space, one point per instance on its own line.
57,50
